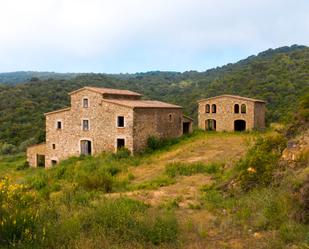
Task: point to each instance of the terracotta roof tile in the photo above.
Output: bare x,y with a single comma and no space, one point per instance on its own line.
233,96
108,91
142,103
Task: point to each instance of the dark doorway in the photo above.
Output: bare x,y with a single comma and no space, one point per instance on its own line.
239,125
210,125
85,147
40,160
185,127
53,162
120,143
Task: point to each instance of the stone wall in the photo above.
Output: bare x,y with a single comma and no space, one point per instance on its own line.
103,132
33,151
156,122
259,115
225,115
139,124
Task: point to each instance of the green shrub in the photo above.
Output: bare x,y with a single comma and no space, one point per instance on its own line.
100,180
187,169
22,166
122,153
154,143
257,167
291,231
6,148
38,181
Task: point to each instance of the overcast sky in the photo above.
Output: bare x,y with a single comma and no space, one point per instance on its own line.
116,36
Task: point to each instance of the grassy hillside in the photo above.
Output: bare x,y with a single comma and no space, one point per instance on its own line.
278,76
209,190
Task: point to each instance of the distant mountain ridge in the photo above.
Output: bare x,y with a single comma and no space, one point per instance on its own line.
278,76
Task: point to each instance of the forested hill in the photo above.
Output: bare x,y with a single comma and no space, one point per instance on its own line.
279,76
14,78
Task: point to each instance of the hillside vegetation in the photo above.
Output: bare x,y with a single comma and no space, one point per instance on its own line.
278,76
204,190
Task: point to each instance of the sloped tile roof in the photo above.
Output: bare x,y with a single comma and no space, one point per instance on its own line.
108,91
233,96
142,103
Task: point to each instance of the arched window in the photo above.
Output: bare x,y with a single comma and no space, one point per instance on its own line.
213,108
236,108
243,108
207,108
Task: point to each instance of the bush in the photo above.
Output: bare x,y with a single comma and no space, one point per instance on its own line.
154,143
6,148
39,181
100,180
19,215
187,169
257,167
122,153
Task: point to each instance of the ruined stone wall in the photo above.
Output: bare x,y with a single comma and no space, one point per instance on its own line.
103,132
225,115
33,151
156,122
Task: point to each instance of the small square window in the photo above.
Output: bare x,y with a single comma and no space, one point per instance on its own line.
120,121
86,125
54,146
85,103
59,125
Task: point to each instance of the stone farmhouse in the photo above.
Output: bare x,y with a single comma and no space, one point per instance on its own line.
103,119
231,113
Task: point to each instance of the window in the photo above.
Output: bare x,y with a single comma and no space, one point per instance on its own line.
170,117
243,108
207,108
85,125
85,102
54,146
214,108
236,108
120,121
59,125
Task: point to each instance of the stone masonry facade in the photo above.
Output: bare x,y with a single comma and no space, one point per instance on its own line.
110,118
231,113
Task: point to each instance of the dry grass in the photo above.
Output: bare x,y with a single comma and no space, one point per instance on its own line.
206,148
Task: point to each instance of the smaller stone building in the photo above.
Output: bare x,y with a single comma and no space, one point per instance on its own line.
103,119
231,113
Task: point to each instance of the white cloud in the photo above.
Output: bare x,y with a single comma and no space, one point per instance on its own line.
74,34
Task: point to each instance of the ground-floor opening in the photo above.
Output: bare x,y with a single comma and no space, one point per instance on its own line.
186,127
85,147
121,143
210,125
239,125
53,162
40,160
